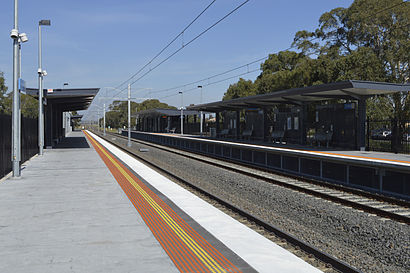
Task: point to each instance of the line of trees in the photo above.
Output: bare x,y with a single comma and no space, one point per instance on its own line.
366,41
117,116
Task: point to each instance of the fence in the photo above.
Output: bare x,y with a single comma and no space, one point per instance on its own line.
29,141
388,136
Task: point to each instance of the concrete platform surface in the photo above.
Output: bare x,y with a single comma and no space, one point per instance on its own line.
68,214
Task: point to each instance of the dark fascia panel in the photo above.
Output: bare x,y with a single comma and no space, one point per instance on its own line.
312,93
77,92
68,99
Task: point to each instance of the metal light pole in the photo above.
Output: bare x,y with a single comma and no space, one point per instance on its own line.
129,116
22,39
201,114
182,112
16,109
104,119
40,90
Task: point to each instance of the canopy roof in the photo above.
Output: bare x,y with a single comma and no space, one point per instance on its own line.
165,112
68,99
351,90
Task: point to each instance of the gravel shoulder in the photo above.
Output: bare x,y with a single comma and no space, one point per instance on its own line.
367,242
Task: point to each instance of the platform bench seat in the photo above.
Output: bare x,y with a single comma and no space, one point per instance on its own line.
247,134
224,133
323,137
278,135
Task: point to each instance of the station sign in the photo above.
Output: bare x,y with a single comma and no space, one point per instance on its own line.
22,85
50,90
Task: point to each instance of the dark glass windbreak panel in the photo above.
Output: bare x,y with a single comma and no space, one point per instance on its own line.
310,166
218,149
259,158
397,182
197,146
226,151
204,147
236,153
291,163
363,176
29,141
211,148
273,160
334,171
247,155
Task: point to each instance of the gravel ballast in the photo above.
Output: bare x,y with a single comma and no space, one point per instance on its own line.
367,242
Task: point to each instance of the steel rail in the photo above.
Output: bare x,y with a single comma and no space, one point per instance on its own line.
313,192
322,256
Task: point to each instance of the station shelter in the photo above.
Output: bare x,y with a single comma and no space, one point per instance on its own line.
331,114
168,120
58,103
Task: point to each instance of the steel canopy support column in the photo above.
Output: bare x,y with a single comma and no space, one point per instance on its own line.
361,124
238,123
265,129
217,123
302,124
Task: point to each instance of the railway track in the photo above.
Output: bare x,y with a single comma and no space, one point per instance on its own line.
310,252
387,207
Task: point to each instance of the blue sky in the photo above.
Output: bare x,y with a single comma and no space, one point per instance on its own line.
102,43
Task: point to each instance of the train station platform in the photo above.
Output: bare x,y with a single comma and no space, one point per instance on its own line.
86,206
384,173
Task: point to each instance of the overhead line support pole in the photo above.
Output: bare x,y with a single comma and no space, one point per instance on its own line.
104,119
129,116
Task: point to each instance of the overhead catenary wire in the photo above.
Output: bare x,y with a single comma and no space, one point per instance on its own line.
188,43
168,45
260,59
223,73
211,83
241,66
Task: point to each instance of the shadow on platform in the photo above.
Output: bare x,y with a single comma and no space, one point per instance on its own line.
72,142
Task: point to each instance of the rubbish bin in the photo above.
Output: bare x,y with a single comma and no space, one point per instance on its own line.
212,132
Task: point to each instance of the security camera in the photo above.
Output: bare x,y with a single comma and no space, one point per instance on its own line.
23,37
44,73
14,34
39,71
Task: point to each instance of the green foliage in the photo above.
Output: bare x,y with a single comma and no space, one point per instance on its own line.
29,105
242,88
3,90
117,116
76,122
367,41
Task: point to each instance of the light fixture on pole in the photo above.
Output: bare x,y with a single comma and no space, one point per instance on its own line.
182,112
201,126
41,74
14,34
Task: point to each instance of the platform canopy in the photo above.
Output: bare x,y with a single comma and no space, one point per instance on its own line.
165,112
349,90
67,99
